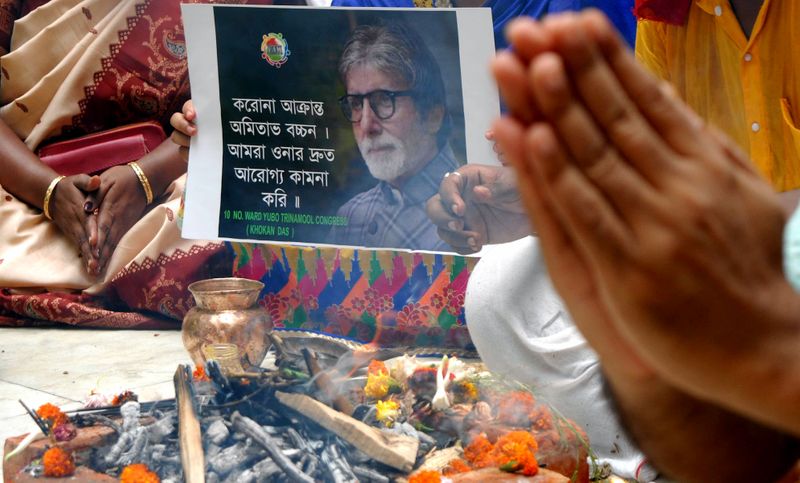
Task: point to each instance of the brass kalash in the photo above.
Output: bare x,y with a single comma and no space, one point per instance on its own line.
227,324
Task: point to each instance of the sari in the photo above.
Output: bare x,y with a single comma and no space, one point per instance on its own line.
76,67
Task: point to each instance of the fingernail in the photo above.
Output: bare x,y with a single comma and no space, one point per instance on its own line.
455,208
472,243
452,225
88,207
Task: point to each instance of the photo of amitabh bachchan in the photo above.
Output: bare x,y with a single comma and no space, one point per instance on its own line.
396,102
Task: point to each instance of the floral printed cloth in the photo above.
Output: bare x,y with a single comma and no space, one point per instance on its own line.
393,299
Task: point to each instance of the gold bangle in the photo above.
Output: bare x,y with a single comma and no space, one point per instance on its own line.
49,194
148,191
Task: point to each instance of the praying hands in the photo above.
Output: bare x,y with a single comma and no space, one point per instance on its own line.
663,241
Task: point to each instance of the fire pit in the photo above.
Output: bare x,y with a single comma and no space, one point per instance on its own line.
330,410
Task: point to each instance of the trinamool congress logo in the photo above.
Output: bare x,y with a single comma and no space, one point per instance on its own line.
274,49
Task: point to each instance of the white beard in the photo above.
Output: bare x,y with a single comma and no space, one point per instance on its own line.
386,165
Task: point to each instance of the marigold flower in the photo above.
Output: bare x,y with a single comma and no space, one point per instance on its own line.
199,373
58,463
377,385
138,473
425,476
467,391
456,466
124,397
387,412
377,367
516,452
513,452
52,414
479,452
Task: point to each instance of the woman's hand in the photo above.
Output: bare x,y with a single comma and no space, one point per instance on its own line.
67,208
121,200
183,122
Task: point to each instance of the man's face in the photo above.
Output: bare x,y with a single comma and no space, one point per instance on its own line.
399,146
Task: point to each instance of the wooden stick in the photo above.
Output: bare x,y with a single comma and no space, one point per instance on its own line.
191,440
258,435
323,381
36,419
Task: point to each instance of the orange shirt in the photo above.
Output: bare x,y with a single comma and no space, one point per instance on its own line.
749,88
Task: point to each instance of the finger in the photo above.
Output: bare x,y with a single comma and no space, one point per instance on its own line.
512,81
91,230
86,183
733,152
107,250
113,237
78,232
182,125
450,197
601,94
188,110
441,216
463,242
587,216
497,189
528,38
509,133
655,99
586,145
104,221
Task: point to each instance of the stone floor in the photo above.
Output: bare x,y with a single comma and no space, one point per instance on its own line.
62,366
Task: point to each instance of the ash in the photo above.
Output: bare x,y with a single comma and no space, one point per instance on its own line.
248,436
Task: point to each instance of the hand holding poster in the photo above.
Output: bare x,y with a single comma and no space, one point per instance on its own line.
333,126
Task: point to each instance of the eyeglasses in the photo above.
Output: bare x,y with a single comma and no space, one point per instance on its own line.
381,102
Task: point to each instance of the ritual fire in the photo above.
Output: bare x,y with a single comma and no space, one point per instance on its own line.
328,410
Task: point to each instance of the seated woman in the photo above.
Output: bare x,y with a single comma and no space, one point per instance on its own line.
115,258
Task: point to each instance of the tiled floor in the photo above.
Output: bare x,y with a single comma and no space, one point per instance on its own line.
62,366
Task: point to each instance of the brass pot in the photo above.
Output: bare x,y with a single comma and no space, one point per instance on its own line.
227,315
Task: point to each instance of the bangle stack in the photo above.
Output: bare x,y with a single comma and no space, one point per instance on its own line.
49,194
148,191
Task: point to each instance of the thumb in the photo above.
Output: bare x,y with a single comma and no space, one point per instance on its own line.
500,191
86,183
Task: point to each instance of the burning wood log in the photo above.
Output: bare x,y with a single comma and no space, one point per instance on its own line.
260,436
397,451
191,441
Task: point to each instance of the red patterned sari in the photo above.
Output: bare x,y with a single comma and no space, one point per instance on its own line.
74,67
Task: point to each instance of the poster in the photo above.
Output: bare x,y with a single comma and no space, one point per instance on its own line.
332,126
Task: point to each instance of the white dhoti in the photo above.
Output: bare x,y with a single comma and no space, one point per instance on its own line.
522,330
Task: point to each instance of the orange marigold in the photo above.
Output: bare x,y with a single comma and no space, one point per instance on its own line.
199,373
58,463
377,367
425,476
124,397
52,414
516,452
479,452
138,473
456,466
